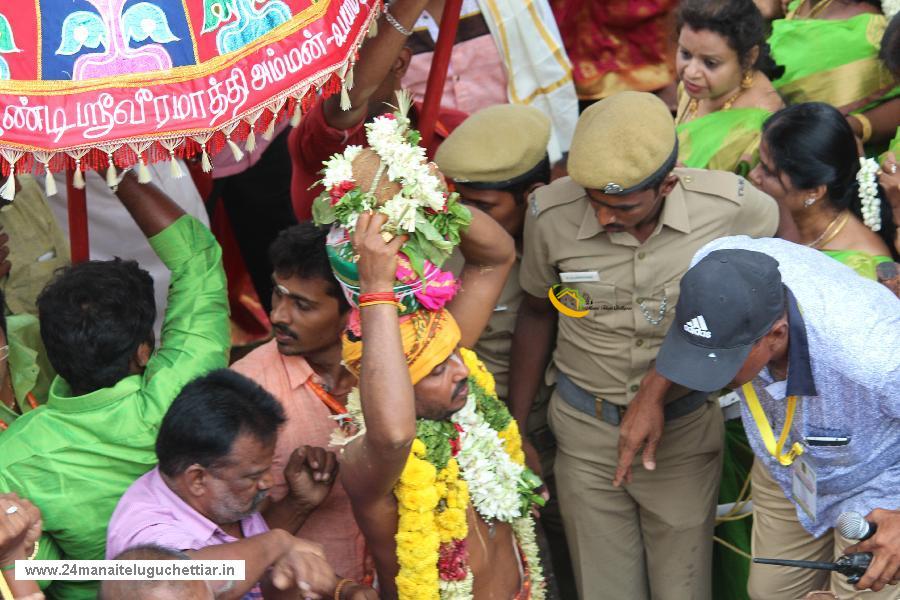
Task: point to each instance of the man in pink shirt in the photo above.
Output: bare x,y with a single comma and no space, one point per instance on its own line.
302,368
215,448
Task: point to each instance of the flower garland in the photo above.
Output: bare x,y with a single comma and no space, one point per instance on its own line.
866,177
423,208
890,8
476,456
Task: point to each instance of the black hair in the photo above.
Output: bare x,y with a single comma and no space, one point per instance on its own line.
539,174
890,46
299,251
813,145
3,315
207,417
94,315
739,22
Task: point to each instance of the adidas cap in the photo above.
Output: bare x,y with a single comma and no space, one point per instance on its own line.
728,301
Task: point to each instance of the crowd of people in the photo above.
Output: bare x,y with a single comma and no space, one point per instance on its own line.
629,321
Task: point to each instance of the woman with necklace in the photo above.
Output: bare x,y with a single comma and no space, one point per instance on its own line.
809,164
829,49
725,95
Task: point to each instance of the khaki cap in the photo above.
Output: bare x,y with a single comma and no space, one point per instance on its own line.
622,141
496,145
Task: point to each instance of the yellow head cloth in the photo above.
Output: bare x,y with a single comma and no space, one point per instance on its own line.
429,337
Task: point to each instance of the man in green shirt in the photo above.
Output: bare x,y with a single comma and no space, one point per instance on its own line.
75,456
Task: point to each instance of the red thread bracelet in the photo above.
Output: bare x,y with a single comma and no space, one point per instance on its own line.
377,297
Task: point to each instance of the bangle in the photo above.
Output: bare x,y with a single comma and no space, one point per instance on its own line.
395,23
340,587
866,125
37,546
374,302
8,567
377,296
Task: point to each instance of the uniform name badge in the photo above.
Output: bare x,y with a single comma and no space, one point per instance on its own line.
577,276
804,486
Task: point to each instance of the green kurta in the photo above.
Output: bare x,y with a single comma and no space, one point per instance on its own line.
726,140
75,456
29,368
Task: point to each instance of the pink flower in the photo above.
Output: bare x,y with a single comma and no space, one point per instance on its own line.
440,286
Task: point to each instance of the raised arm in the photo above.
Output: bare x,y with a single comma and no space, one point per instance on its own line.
373,465
150,208
376,58
490,254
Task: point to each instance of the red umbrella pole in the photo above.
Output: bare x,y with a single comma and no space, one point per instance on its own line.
78,221
438,74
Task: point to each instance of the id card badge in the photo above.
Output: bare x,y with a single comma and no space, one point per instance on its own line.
804,486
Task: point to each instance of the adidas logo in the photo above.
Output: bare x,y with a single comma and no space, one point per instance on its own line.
697,326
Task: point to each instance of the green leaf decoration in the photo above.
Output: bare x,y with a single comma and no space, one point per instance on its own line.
322,210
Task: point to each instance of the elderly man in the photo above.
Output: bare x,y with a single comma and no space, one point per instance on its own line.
616,237
215,450
95,435
815,353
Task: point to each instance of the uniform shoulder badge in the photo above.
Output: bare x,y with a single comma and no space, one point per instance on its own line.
716,183
558,193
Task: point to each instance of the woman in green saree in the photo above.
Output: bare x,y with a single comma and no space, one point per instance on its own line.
725,95
809,164
829,49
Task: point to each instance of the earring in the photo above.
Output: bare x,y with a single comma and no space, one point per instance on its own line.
747,81
809,201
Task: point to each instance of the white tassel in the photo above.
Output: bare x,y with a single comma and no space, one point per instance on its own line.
8,191
373,28
295,118
204,161
235,149
174,166
269,133
348,80
144,175
345,97
250,144
49,181
112,178
78,177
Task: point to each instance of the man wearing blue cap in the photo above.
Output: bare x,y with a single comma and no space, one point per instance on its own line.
815,354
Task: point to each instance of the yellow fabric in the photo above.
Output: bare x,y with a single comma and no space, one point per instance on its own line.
428,340
765,430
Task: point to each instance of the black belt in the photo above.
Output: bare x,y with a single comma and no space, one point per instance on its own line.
613,413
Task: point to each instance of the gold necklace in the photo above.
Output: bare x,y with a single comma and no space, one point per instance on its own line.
831,230
694,104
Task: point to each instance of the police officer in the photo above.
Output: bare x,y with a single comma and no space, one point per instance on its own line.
496,159
616,236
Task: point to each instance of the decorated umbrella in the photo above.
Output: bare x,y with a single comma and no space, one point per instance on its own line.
110,84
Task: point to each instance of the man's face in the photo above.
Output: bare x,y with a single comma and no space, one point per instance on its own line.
760,355
444,391
626,212
236,488
305,317
499,205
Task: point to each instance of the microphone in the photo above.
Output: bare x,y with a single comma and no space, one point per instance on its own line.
853,526
853,566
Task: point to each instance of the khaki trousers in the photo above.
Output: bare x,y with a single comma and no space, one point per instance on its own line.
777,533
653,538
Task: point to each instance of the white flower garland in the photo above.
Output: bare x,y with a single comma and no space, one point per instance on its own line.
492,475
868,193
457,590
890,8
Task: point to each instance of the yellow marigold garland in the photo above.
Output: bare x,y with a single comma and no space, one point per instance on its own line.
512,442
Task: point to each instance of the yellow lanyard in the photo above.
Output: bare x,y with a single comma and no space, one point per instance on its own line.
765,430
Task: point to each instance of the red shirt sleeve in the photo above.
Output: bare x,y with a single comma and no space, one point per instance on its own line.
310,144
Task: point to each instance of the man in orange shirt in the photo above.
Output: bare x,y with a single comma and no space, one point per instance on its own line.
302,368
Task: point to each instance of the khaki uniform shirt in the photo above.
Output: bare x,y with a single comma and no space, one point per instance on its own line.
37,246
496,340
609,351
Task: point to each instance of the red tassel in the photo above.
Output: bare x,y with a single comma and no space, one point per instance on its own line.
308,100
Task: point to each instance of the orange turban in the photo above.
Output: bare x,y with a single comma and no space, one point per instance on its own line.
429,337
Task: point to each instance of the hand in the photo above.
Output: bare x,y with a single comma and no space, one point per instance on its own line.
377,258
885,549
357,591
304,567
18,530
890,181
642,426
309,474
5,265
